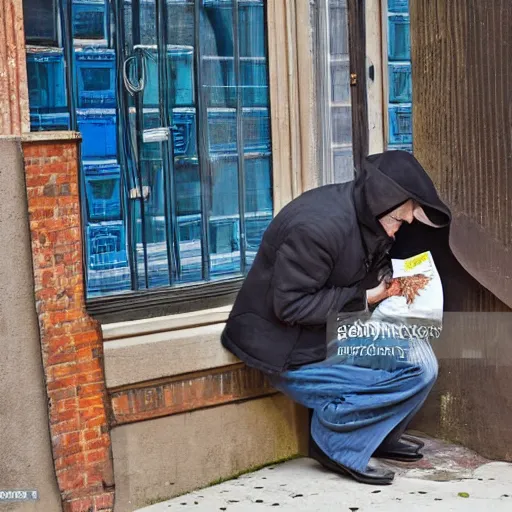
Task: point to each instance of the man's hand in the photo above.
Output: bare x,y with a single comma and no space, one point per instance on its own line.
378,293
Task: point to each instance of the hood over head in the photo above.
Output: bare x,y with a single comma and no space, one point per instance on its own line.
386,181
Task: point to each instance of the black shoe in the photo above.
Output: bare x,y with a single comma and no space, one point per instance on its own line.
372,476
413,440
399,451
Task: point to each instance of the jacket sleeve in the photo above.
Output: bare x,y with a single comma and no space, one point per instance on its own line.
300,293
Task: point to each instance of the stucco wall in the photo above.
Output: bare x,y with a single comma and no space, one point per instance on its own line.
25,456
157,459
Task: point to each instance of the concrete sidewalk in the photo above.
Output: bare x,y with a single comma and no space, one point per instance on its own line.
449,478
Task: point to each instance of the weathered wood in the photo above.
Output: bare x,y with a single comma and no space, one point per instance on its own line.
357,50
462,114
462,120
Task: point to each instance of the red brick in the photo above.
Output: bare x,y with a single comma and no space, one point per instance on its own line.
69,462
68,439
103,442
104,501
69,450
89,366
120,404
66,404
55,304
65,177
66,426
70,340
45,294
87,336
99,421
61,358
55,149
91,414
96,456
80,505
55,167
42,213
62,394
89,378
36,180
68,382
39,202
91,389
94,481
91,402
84,354
91,434
57,317
54,332
72,479
61,371
59,416
69,200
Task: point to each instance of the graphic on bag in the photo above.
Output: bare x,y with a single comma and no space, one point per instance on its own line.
399,329
408,287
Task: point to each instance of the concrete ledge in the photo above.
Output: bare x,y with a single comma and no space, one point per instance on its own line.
50,136
165,354
165,323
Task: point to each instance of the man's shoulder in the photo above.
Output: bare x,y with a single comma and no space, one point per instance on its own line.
326,212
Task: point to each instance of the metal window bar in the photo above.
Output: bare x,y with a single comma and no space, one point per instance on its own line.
139,129
240,140
125,150
66,17
202,146
170,199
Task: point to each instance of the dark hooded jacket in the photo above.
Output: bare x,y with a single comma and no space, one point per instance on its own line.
319,256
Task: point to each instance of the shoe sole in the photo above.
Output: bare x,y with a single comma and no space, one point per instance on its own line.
413,440
397,457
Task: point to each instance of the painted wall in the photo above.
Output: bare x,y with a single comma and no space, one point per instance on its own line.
25,455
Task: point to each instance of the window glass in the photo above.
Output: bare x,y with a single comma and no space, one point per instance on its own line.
399,76
172,102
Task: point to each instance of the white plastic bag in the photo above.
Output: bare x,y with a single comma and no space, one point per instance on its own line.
409,275
400,328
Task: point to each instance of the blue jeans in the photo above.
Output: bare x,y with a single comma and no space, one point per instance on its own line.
357,407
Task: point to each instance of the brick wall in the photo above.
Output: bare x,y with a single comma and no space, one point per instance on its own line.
187,392
71,341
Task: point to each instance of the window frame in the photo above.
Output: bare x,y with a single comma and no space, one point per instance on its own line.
178,298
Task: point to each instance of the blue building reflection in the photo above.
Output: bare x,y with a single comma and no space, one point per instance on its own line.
399,73
148,186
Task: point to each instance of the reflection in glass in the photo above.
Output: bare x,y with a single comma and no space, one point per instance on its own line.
176,143
399,44
47,89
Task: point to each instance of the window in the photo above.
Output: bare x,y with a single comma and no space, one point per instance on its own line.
172,102
334,98
40,18
399,75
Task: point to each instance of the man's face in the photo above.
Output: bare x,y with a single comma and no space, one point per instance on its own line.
392,221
